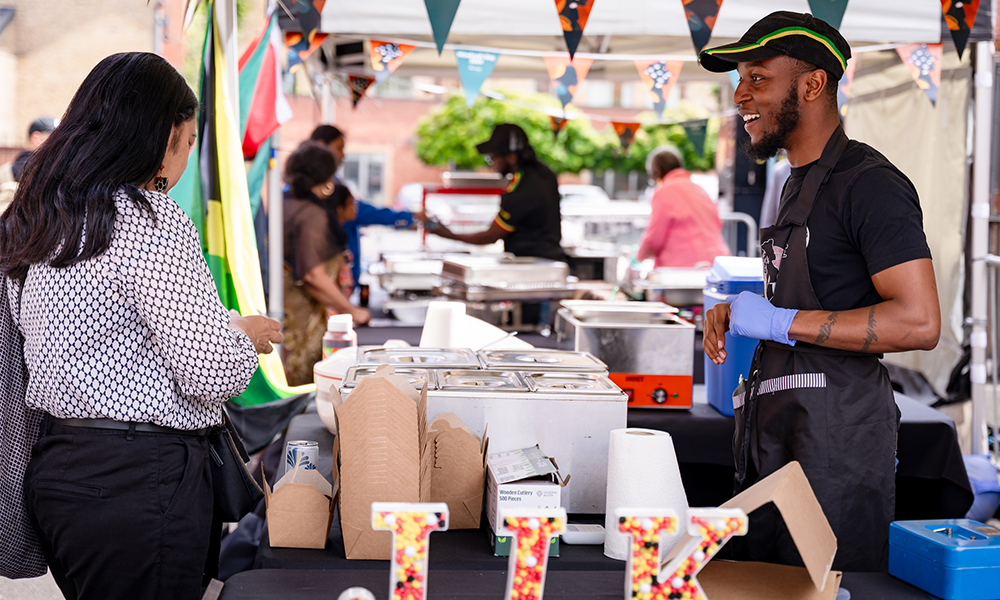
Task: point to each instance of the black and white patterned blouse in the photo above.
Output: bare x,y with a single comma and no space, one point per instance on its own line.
138,334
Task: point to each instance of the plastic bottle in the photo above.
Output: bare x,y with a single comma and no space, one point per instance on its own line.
339,334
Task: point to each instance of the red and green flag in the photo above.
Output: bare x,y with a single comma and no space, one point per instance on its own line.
214,193
263,106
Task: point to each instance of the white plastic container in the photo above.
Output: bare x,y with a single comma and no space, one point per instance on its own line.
329,374
339,334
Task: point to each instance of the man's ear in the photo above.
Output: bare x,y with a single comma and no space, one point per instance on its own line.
815,83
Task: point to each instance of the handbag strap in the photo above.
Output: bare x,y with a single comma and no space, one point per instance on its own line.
227,423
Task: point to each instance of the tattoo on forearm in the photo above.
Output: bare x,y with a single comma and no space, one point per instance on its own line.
870,331
826,328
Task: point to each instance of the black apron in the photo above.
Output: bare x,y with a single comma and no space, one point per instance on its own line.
831,410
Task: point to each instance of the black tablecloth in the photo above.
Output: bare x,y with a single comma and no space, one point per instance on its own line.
268,584
930,479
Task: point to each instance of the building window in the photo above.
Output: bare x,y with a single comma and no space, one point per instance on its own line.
364,175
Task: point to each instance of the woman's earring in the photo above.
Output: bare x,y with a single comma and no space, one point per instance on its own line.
161,183
328,188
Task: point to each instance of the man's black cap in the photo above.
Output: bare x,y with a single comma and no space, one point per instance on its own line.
42,124
799,35
506,138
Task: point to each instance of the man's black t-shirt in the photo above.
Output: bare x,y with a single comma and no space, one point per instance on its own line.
529,212
866,219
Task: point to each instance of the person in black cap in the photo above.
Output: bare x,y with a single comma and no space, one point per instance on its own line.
529,222
817,393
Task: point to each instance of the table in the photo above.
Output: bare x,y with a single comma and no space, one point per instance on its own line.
267,584
931,481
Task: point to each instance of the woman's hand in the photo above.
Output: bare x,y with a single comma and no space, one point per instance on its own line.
262,331
361,315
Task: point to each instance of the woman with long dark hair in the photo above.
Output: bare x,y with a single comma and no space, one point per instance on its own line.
315,244
128,350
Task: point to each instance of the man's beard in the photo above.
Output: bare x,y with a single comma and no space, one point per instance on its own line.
786,120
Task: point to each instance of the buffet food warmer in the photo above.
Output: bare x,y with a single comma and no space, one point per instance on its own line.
649,351
562,401
489,278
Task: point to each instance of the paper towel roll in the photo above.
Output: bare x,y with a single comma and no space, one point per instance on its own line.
642,473
441,324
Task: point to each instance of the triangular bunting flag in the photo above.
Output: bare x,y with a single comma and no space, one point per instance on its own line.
701,16
557,124
960,15
301,44
831,11
474,68
924,62
566,75
386,58
442,14
358,84
659,78
696,133
626,132
844,88
573,15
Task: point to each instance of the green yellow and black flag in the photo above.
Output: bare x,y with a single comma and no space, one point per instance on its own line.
214,193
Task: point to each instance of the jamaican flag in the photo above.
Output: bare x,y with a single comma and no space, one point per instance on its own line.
214,193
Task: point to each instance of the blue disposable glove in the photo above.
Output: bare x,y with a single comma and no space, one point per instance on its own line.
754,317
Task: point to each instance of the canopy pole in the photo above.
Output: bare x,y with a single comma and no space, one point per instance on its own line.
980,239
275,236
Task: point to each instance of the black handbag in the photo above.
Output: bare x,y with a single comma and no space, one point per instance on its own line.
236,492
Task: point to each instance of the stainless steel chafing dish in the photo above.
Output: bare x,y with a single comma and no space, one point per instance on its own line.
562,401
549,360
416,377
455,358
505,271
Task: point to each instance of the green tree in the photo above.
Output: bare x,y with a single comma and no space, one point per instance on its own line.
449,134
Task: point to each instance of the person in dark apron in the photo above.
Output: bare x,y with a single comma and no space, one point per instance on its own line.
847,276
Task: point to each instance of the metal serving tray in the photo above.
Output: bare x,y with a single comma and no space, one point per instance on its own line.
598,310
505,271
467,380
416,377
547,360
572,383
438,358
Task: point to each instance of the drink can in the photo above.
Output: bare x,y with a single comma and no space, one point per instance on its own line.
304,453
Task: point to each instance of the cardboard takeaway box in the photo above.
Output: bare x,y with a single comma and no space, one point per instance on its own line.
299,509
387,452
791,493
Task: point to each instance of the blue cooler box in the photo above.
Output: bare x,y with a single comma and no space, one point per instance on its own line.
730,275
954,559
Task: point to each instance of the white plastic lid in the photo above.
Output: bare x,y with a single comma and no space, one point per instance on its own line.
736,269
340,323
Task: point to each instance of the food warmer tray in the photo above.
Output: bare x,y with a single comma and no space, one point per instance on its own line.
505,271
539,360
438,358
416,377
602,310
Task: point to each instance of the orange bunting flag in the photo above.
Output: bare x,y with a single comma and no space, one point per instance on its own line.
566,75
924,63
358,85
573,15
557,124
659,78
626,132
386,58
960,16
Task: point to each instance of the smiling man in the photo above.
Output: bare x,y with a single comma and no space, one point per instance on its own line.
847,275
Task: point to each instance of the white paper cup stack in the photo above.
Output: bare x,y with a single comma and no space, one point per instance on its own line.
442,324
642,473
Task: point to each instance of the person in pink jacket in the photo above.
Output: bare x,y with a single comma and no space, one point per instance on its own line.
684,228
